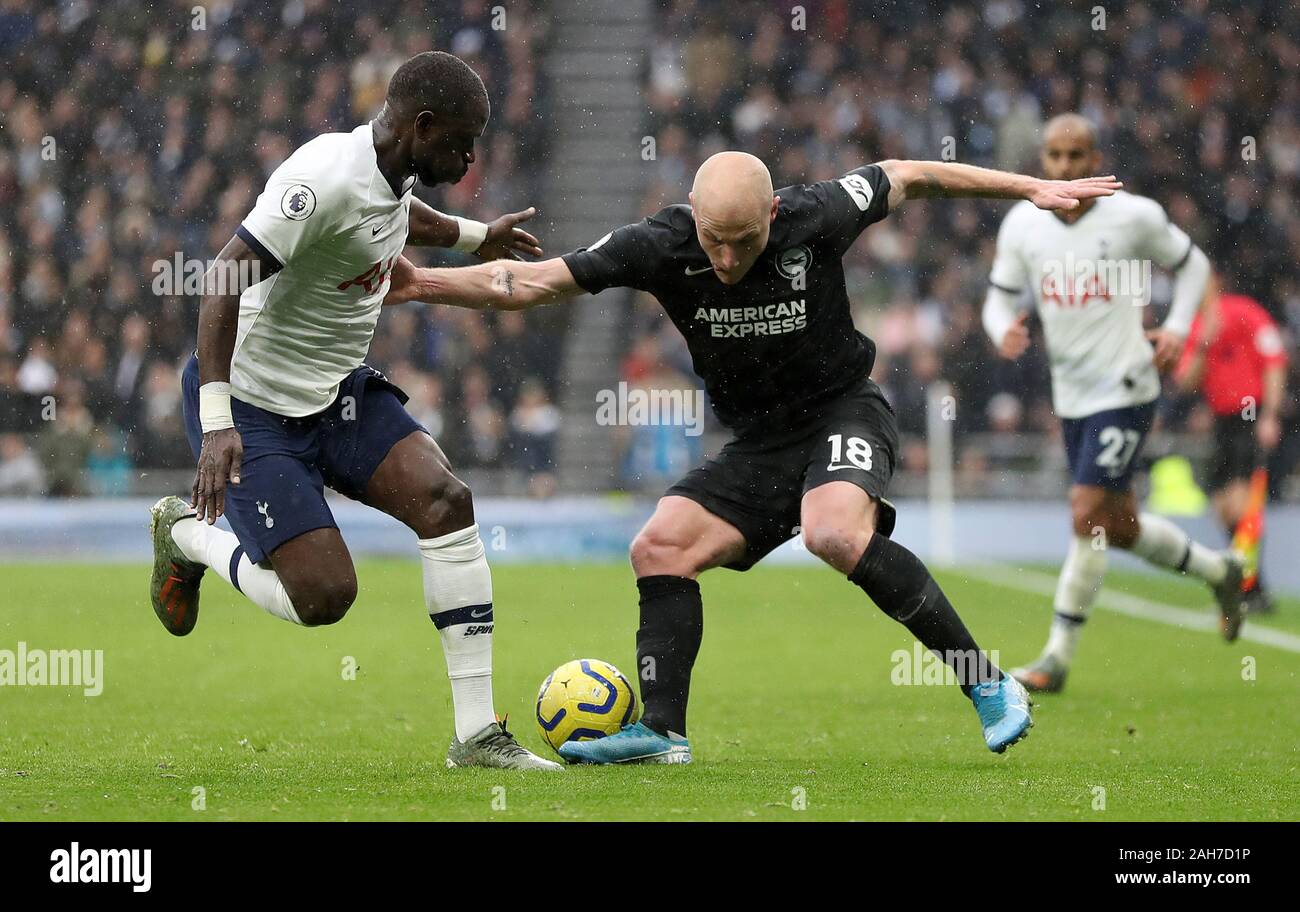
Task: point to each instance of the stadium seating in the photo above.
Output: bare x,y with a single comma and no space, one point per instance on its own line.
133,136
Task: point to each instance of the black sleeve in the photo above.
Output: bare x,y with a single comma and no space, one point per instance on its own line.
846,206
621,259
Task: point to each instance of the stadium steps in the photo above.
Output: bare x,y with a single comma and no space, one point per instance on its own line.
595,65
599,64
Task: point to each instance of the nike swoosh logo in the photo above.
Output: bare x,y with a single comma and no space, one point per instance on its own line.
690,271
836,468
479,614
375,230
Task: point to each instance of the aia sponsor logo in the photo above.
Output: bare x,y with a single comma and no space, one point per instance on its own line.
1075,282
372,279
1077,293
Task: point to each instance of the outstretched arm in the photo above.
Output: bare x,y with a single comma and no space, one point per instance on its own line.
501,238
490,286
921,179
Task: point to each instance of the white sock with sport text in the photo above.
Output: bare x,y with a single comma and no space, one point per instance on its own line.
1162,543
220,550
1076,590
458,594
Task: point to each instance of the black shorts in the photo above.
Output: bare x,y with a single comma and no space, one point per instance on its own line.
758,480
1236,451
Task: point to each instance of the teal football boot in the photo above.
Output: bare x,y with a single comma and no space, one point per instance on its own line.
1003,708
633,743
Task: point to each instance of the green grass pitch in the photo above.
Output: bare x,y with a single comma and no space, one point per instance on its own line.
793,716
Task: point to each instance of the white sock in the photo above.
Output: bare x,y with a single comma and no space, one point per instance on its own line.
1162,543
458,594
1076,590
217,548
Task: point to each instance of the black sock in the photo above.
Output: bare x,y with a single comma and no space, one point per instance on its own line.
667,642
899,584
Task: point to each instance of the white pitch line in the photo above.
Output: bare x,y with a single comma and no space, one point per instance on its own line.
1122,603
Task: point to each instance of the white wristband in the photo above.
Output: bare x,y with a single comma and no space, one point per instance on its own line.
472,235
214,407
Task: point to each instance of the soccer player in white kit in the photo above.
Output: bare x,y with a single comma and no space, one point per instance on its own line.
1088,270
279,404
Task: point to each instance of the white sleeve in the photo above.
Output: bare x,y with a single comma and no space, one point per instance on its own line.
1007,281
1009,272
1169,247
302,202
999,313
1165,243
1189,290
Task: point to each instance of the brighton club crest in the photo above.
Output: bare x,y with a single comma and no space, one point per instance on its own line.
794,261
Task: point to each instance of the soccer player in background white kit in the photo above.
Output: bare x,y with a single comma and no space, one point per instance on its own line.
278,403
1088,270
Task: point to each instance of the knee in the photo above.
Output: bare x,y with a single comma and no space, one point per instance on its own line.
656,553
449,506
1083,522
454,496
1122,530
1115,529
839,545
1088,514
326,600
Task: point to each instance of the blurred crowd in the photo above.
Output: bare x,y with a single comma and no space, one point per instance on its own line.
1198,106
131,130
134,131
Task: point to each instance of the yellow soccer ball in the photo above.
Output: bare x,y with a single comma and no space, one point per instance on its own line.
583,700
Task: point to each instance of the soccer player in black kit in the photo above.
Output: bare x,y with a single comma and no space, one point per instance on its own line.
753,280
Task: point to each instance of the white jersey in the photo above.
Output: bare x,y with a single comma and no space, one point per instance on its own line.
1091,280
331,219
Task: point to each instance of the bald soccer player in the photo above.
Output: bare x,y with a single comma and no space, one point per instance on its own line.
754,282
1087,271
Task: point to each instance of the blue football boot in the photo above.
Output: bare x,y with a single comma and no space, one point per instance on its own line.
1003,707
633,743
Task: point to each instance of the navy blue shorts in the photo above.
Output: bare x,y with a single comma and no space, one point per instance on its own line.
1102,448
289,461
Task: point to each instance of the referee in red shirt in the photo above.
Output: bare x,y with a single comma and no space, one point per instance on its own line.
1236,358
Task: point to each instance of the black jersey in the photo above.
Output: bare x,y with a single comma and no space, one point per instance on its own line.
779,342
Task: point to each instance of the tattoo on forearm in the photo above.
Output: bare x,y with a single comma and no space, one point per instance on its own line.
928,184
503,280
